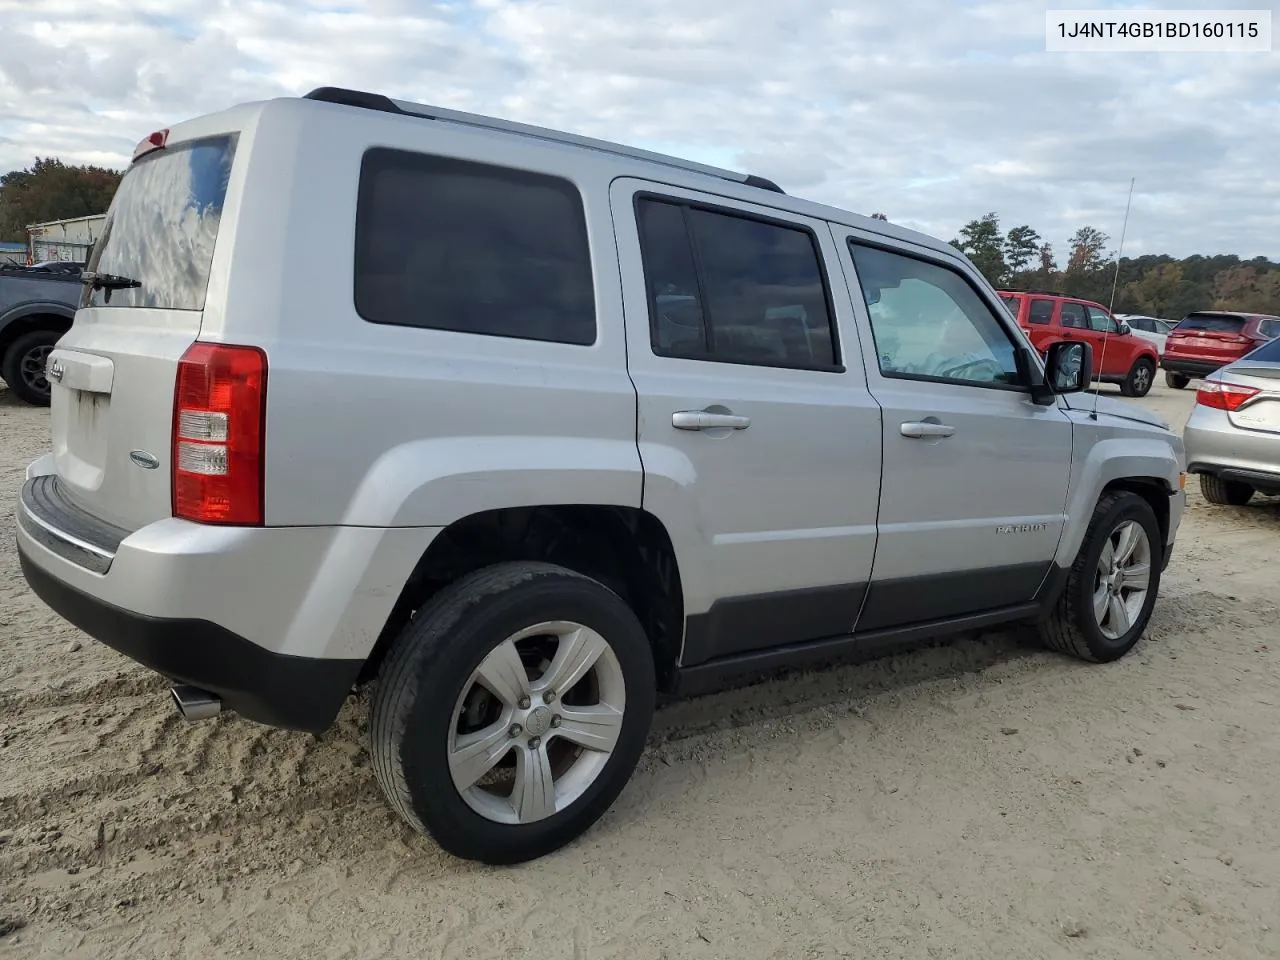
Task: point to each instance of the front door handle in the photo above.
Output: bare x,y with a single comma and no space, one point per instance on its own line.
704,420
924,430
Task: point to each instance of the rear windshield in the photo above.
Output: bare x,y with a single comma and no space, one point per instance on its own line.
1269,352
162,225
1212,323
1013,303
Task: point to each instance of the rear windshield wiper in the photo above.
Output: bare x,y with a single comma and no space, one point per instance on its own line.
109,281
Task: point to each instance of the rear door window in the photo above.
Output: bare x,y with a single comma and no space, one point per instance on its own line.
450,244
734,288
1041,311
1269,328
162,225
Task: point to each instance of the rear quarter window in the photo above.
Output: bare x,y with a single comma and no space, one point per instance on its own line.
450,244
1269,328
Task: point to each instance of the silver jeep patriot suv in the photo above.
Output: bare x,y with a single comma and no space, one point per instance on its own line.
512,430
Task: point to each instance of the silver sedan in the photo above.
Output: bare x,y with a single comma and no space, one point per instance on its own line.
1233,435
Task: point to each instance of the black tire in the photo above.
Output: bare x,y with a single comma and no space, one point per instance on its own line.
1226,493
1178,381
22,366
1071,627
434,657
1140,379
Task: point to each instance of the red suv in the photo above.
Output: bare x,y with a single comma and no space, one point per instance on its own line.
1209,339
1049,318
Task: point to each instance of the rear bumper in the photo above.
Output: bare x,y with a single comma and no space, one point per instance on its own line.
1190,366
1216,446
299,693
277,621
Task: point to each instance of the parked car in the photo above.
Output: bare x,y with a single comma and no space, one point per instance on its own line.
1206,340
1152,329
36,307
59,267
1119,356
1233,434
606,428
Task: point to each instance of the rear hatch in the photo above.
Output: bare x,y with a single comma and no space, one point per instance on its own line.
113,373
1209,336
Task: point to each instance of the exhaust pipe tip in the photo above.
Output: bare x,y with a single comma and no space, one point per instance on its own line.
194,703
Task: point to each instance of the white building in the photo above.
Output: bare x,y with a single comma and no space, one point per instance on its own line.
71,239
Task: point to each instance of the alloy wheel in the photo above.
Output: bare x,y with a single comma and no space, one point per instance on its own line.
536,722
1122,580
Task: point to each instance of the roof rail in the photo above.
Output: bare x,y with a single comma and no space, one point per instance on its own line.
1043,293
376,101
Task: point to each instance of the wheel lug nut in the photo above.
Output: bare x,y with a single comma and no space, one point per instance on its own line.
549,696
515,730
555,721
535,743
524,703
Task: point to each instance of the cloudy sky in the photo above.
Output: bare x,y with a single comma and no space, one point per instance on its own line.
932,111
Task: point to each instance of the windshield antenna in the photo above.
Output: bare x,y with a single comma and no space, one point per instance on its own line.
1111,307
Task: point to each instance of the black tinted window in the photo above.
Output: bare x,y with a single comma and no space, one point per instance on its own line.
677,325
1041,311
757,293
453,245
1073,315
1212,323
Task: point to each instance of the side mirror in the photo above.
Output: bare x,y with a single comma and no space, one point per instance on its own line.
1125,329
1068,366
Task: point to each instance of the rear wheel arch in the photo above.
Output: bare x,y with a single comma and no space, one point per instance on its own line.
625,548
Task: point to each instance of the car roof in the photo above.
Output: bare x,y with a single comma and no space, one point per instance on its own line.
643,163
1047,295
1232,313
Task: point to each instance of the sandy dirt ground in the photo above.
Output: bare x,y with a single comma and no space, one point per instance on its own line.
985,799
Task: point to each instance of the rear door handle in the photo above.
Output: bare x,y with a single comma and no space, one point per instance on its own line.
702,420
924,430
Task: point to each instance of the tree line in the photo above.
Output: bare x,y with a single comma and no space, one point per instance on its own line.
1018,258
52,190
1155,285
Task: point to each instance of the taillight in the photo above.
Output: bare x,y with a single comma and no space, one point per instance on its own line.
219,421
1224,396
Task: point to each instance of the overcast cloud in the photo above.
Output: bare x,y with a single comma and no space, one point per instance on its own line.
932,111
